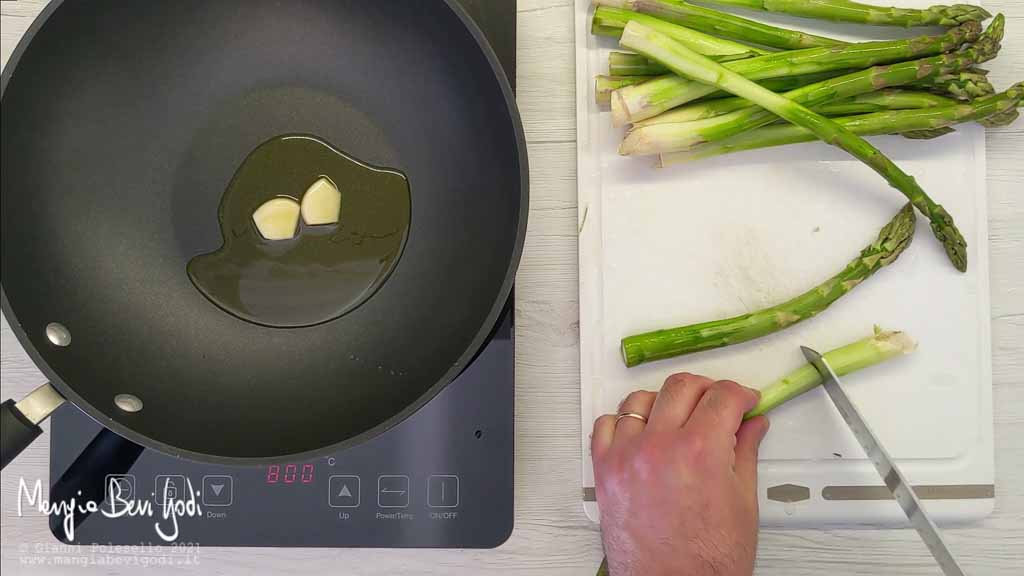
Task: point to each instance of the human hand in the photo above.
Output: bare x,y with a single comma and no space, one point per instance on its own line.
678,494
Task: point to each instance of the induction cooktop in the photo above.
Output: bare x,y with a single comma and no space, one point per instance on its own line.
443,478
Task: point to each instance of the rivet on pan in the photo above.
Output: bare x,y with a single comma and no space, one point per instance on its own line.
128,402
58,334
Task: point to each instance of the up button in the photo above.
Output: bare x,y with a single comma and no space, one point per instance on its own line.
345,492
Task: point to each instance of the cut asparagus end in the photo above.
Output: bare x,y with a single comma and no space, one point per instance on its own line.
620,115
322,203
277,218
631,356
604,86
880,347
660,138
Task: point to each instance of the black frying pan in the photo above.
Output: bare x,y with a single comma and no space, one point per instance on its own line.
122,125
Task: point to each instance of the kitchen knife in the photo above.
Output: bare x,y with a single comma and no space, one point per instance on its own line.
894,479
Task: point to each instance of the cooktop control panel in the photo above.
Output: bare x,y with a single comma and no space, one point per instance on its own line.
443,478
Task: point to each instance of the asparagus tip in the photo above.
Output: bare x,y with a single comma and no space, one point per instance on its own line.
950,237
895,236
928,134
958,14
997,28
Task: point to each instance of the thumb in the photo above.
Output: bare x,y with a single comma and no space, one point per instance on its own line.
748,441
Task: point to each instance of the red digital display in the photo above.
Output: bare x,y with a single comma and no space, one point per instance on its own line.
290,474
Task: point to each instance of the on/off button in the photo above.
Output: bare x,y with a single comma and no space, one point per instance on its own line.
443,491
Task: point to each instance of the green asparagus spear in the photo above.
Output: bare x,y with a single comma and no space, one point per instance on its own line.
684,61
662,138
883,101
634,104
722,24
891,242
629,64
880,101
898,122
862,354
847,11
608,84
610,22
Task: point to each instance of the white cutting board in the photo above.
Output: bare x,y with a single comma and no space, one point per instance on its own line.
666,247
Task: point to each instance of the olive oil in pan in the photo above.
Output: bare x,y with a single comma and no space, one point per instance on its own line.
320,271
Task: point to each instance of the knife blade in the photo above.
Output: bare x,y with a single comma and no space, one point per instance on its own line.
886,467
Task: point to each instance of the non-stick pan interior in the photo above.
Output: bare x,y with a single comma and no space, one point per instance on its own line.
124,122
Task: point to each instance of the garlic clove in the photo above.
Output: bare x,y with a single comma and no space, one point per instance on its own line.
277,219
322,203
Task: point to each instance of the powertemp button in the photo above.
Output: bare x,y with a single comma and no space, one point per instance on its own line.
393,491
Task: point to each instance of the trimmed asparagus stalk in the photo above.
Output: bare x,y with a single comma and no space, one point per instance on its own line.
899,122
684,61
848,11
880,101
892,240
634,104
611,21
862,354
722,24
663,138
605,85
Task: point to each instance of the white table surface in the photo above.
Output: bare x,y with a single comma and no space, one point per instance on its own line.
552,536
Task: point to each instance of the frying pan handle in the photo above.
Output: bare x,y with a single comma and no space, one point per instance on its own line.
19,423
16,432
86,478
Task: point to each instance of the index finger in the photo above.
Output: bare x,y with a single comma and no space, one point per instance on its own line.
721,409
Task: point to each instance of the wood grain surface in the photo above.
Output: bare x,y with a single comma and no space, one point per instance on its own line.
552,536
